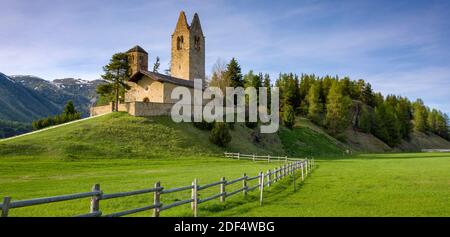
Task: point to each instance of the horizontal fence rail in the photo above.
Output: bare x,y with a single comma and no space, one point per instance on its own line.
267,158
291,168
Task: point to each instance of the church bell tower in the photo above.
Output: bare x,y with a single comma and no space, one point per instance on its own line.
188,49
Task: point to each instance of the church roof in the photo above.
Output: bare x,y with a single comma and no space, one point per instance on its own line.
161,78
137,48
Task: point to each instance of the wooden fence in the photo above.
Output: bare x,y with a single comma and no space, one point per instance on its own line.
253,157
290,169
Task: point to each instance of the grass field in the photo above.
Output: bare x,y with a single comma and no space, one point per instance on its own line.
366,185
124,153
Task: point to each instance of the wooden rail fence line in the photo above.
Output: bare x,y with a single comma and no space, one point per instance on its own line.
96,194
253,157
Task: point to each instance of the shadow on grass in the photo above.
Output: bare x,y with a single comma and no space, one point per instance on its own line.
277,191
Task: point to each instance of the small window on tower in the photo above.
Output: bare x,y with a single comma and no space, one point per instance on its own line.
180,42
197,42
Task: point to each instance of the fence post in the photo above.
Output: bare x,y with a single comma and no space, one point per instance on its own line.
253,157
194,197
244,185
261,187
5,207
293,176
259,179
156,199
239,156
285,158
222,189
95,200
268,158
301,165
306,167
268,178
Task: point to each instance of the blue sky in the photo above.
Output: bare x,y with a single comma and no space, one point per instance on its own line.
400,47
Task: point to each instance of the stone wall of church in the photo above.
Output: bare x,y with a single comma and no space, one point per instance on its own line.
144,89
149,109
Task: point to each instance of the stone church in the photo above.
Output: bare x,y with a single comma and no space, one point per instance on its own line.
150,91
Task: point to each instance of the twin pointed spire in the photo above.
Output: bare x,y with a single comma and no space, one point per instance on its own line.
182,22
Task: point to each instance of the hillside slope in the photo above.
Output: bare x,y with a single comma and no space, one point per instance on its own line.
18,103
420,141
59,91
119,135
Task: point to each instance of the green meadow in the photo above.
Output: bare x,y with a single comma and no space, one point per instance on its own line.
124,153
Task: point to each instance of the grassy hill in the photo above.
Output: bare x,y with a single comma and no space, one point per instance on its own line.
124,153
120,135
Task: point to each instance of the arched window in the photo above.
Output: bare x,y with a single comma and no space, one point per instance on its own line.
197,42
146,100
180,42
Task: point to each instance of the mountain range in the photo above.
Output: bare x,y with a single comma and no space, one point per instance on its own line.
24,98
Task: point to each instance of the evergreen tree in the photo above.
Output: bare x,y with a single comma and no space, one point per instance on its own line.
220,134
404,116
289,116
156,65
117,72
442,125
233,74
337,110
69,109
289,92
268,85
314,105
392,126
380,129
367,120
420,116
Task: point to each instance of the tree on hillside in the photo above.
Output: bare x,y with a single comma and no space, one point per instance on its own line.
268,85
380,130
156,65
327,81
392,126
314,105
233,74
367,120
431,120
220,134
367,96
420,116
69,108
304,86
289,91
443,126
117,72
288,116
404,116
252,80
337,110
218,78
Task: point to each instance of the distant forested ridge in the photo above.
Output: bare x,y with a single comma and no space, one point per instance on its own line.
338,103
